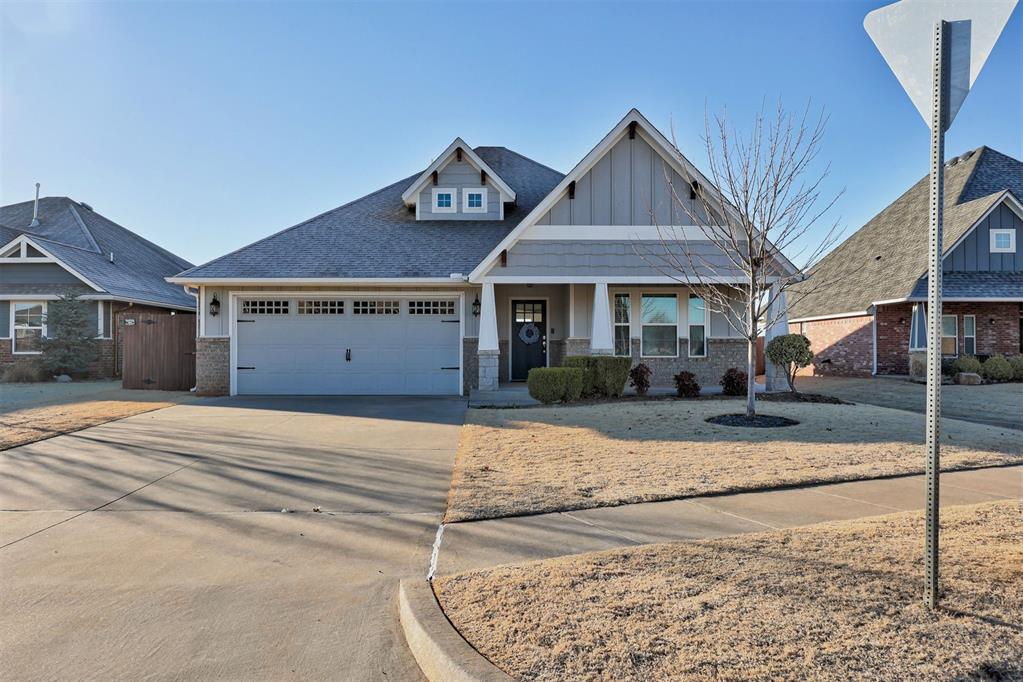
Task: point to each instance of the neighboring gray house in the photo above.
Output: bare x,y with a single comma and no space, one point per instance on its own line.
471,272
871,319
56,245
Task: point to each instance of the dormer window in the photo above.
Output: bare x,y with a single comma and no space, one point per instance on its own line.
474,200
1003,241
444,200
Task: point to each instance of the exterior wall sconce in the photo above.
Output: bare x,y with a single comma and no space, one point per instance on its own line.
476,307
991,321
214,306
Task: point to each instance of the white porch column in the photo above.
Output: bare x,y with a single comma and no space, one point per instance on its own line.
779,313
489,350
601,339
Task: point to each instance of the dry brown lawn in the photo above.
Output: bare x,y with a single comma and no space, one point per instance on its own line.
838,601
38,423
538,460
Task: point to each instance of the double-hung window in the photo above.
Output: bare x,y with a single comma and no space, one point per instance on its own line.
949,335
474,200
697,327
659,321
29,326
969,334
623,319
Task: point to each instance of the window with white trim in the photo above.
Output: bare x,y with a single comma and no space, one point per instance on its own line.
430,307
29,326
374,307
266,307
321,307
659,325
949,335
444,200
1003,241
918,328
474,200
969,334
697,327
623,319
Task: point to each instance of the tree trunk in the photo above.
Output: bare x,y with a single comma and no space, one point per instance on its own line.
751,360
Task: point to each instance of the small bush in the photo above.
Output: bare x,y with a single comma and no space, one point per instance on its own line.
686,385
996,368
603,375
22,373
791,352
949,367
639,378
551,384
967,363
588,366
734,382
1016,362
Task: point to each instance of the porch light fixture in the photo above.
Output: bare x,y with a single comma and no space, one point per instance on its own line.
214,306
476,307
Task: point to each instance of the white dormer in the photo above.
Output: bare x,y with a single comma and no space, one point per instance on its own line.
459,185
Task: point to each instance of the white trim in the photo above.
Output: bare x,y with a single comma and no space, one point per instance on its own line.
675,294
21,244
571,310
975,299
200,311
453,208
817,318
50,258
99,319
511,325
1007,198
233,307
972,336
615,232
954,336
995,233
705,325
411,195
300,281
615,323
624,279
873,347
13,327
484,205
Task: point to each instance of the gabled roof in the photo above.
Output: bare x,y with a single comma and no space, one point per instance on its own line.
885,259
378,237
83,240
410,195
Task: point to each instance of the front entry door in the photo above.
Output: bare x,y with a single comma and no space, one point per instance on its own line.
528,337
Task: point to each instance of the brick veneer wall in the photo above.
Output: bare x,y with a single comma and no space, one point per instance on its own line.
842,346
212,366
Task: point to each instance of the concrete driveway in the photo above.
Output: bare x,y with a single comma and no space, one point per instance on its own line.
156,547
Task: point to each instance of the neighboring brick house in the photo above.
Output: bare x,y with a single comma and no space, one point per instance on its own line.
469,273
863,305
56,245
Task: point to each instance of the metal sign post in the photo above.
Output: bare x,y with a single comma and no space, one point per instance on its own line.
936,49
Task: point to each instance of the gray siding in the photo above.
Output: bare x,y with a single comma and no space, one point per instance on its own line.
35,273
459,175
630,185
607,258
5,319
974,253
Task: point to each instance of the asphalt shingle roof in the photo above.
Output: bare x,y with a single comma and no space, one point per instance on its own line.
974,285
83,240
886,258
377,236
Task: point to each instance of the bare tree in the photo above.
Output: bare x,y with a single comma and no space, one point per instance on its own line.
764,200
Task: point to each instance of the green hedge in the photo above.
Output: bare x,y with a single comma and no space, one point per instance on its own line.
603,375
551,384
1016,362
968,364
996,368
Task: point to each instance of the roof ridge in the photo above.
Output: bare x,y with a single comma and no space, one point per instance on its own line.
974,157
81,223
170,257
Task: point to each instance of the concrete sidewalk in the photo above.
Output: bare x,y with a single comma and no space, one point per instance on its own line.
480,544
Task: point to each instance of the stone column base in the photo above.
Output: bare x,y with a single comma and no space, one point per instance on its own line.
489,370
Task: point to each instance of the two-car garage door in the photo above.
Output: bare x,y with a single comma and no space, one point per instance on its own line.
348,346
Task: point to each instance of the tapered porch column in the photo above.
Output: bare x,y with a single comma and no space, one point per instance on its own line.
601,337
488,351
779,313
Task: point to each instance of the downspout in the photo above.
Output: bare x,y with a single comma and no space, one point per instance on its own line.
198,315
873,329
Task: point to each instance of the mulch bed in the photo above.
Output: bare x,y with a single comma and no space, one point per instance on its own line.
760,421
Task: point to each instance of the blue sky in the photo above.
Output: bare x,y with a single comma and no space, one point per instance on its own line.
207,126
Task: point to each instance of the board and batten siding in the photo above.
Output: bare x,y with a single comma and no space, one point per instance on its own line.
630,185
460,176
973,254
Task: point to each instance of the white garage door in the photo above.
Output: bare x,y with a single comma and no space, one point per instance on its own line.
348,346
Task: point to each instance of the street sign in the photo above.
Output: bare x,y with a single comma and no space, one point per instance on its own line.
904,34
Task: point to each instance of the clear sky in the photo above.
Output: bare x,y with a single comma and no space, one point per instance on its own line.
207,126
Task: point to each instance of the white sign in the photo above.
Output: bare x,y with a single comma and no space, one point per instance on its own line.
904,34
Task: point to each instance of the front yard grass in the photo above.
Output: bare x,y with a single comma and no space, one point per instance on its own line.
837,601
536,460
31,424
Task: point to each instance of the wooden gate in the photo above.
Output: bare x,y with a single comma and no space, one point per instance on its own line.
158,350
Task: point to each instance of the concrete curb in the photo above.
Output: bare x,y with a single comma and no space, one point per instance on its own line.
442,653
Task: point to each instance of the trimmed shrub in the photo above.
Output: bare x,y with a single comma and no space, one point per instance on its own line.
639,378
996,368
792,352
686,385
734,382
22,373
968,364
551,384
603,375
1016,362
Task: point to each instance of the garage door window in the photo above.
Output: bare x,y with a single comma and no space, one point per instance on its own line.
376,307
431,307
265,307
314,307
